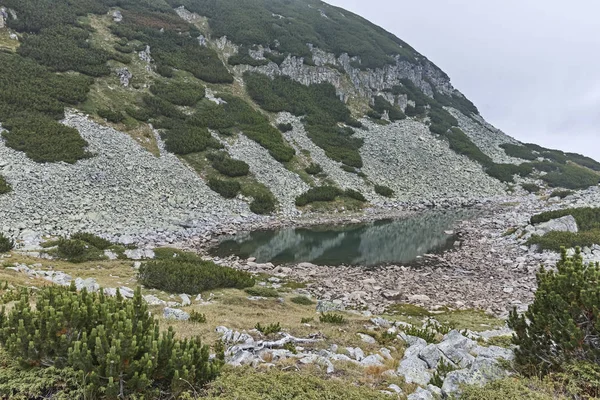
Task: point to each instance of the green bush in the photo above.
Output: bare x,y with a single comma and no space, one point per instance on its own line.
228,166
519,151
6,244
179,93
270,329
555,240
112,344
354,194
197,317
561,325
191,275
165,71
571,177
285,127
273,384
261,291
321,193
263,204
384,191
45,140
93,240
111,115
331,318
226,188
314,169
380,105
531,187
587,218
244,57
186,139
302,300
78,251
561,193
4,186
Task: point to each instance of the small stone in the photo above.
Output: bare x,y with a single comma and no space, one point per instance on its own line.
173,313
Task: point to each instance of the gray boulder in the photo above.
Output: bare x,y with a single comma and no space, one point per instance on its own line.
89,284
421,394
173,313
481,372
457,347
372,360
563,224
324,306
493,352
431,355
414,370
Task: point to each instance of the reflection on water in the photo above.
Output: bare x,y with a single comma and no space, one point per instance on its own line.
380,242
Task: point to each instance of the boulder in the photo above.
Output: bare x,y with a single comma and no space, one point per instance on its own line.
173,313
366,338
154,301
185,300
414,370
431,355
481,372
421,394
372,360
324,306
563,224
457,347
89,284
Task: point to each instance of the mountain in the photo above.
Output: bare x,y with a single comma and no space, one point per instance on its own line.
132,116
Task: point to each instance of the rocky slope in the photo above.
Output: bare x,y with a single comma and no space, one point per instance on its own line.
124,189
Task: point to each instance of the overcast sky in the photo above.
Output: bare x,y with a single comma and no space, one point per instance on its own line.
532,67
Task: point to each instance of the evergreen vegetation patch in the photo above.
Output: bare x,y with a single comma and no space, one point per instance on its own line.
4,185
179,93
6,244
222,162
588,223
327,194
381,105
288,26
227,188
321,108
190,274
263,204
113,346
561,325
384,191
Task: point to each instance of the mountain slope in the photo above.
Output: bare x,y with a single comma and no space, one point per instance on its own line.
256,101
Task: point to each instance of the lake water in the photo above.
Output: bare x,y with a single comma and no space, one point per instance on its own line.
368,244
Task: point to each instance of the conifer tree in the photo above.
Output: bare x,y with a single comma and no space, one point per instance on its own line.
562,325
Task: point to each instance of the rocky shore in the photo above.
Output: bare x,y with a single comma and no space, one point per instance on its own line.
489,268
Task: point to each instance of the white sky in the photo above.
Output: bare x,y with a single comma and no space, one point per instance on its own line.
532,67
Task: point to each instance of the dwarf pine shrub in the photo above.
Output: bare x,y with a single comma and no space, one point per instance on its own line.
6,244
191,274
562,325
113,345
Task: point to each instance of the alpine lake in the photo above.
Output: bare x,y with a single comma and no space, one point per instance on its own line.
388,241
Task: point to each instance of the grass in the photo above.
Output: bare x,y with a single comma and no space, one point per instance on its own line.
474,320
407,310
6,43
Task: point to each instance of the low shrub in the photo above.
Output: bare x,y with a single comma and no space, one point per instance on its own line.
114,343
314,169
302,300
96,241
307,320
331,318
321,193
273,384
6,244
263,204
562,323
191,274
267,330
348,168
425,333
555,240
261,291
354,194
384,191
111,115
519,151
572,177
531,187
179,93
78,251
228,166
186,139
4,186
285,127
561,193
226,188
587,218
197,317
